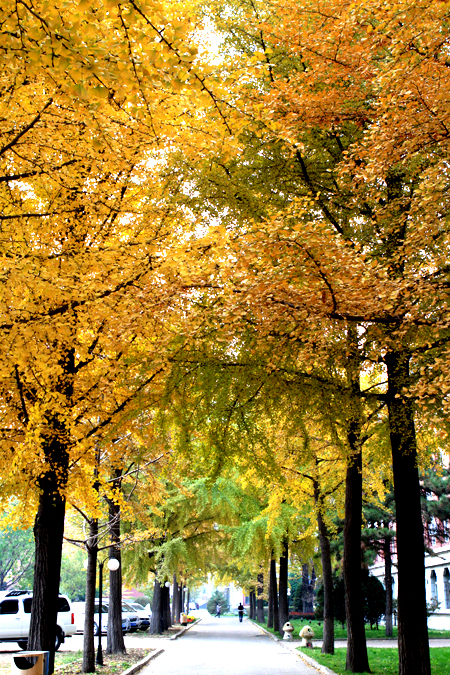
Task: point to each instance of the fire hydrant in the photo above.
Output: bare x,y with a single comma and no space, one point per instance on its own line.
287,629
307,635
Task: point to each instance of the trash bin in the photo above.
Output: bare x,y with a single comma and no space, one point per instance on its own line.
31,663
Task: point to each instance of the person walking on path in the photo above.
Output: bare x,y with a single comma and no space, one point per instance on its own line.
218,608
240,611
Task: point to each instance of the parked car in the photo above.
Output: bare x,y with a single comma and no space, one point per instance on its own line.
15,614
79,610
130,613
142,614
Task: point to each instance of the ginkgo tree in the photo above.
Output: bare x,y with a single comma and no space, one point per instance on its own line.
91,259
334,194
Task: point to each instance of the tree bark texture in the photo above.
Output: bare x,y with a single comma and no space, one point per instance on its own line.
283,603
165,607
175,596
388,583
156,623
114,635
274,585
180,599
49,521
270,601
327,578
260,600
88,665
357,659
413,648
252,605
48,536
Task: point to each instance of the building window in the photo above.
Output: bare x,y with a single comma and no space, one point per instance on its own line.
434,590
447,588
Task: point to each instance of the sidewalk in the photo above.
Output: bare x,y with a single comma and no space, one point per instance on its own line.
226,647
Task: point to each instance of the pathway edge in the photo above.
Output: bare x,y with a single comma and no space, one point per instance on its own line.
308,659
183,631
140,664
315,664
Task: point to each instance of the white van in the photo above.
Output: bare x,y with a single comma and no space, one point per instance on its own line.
15,614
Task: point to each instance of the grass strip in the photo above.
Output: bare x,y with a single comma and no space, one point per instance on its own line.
341,633
382,661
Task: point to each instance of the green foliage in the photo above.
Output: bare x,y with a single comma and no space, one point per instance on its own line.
374,598
435,503
73,575
217,597
338,598
432,606
16,558
146,600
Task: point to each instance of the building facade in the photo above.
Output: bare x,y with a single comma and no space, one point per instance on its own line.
437,581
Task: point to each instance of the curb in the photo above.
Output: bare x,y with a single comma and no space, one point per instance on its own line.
180,633
310,661
267,632
140,664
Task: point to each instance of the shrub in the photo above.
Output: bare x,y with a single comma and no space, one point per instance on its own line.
217,597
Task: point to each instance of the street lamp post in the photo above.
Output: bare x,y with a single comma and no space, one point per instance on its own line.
113,565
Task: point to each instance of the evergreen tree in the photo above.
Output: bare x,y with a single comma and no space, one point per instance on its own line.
217,598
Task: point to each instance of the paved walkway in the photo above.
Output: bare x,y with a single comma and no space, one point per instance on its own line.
226,647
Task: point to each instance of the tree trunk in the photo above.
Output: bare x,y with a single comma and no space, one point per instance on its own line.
180,600
169,613
388,583
252,605
175,613
327,578
260,600
114,636
413,648
283,604
48,536
156,623
307,590
273,583
270,600
357,659
88,665
165,607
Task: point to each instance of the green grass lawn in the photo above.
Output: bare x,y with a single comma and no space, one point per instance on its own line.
381,661
63,658
340,632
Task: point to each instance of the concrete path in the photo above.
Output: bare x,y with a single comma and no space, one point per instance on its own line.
226,647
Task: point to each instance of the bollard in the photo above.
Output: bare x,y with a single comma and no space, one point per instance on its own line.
31,663
287,629
307,635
